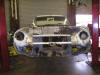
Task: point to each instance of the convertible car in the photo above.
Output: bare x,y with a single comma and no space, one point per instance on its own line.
52,35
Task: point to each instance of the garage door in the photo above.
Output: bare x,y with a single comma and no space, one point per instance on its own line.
28,9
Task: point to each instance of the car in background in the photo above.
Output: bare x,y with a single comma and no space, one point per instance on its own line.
50,20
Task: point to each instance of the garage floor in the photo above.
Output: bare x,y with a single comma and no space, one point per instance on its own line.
23,65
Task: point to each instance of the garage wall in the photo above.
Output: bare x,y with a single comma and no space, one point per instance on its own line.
28,9
84,7
84,10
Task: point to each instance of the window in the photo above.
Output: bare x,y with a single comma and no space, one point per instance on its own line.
83,20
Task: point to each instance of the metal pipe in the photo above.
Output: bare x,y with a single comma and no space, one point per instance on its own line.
51,35
3,38
95,31
12,8
16,10
48,43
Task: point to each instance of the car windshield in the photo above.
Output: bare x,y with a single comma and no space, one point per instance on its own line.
50,18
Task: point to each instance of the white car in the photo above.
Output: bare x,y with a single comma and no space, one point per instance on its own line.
50,19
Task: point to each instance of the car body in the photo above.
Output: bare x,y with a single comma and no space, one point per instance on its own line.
49,37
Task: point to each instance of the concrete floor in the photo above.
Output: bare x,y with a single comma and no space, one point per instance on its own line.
23,65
